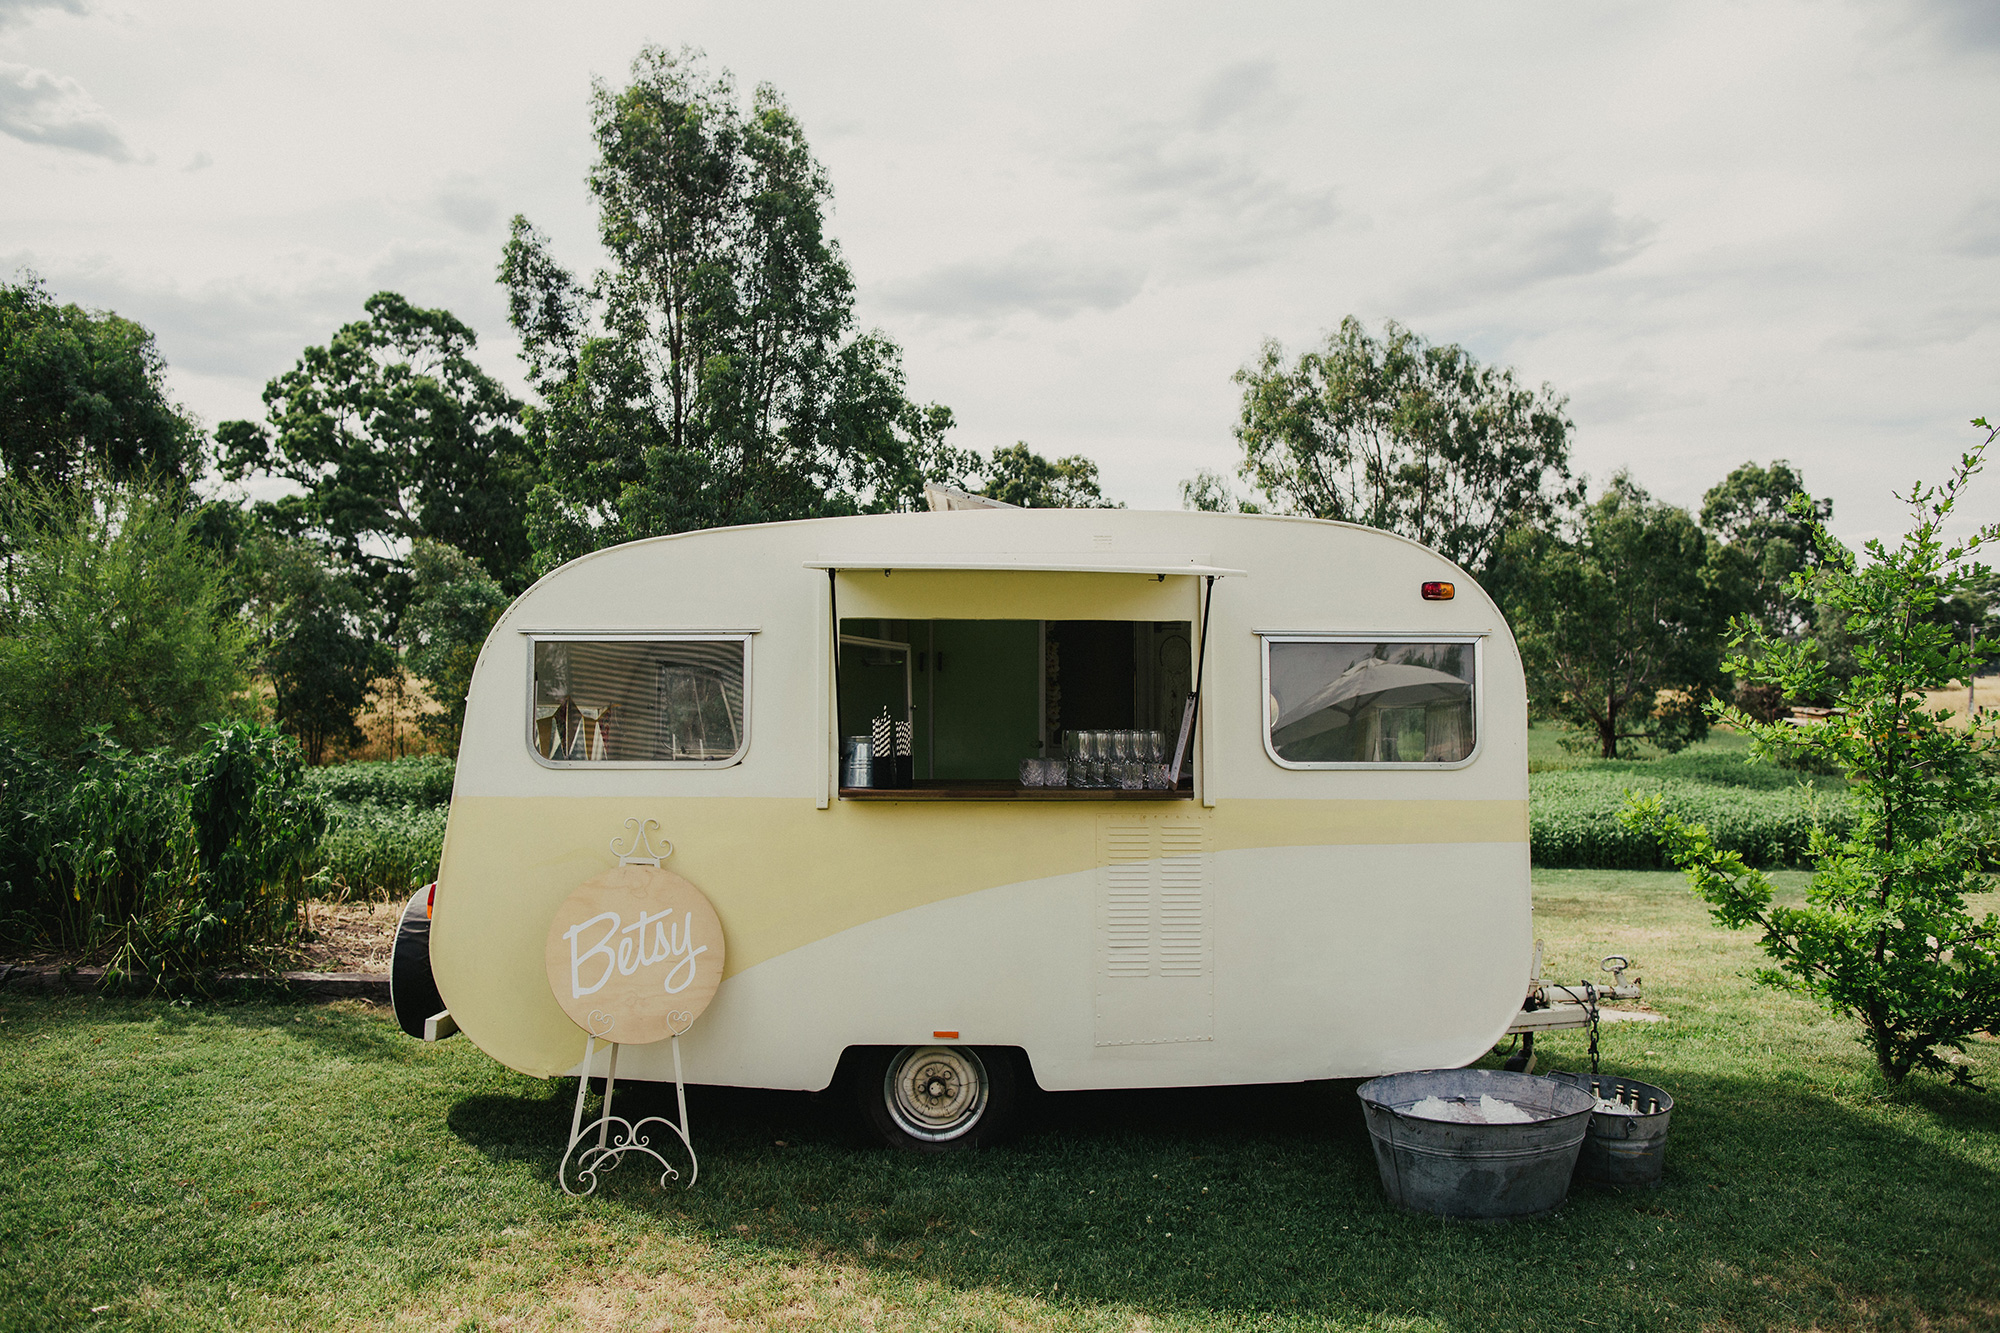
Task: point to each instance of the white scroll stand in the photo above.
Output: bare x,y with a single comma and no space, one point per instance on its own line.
610,1148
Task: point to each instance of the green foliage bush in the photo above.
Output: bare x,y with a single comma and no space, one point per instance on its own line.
414,780
1761,812
112,616
386,826
381,851
155,861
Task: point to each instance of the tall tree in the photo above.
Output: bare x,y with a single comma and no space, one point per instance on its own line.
1750,511
713,373
452,608
394,433
1619,621
85,391
1401,434
322,637
1208,492
1020,476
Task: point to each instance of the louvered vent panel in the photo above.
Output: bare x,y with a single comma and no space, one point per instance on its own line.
1154,982
1181,949
1128,905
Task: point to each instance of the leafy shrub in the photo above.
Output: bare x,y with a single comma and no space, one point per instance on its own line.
112,617
159,862
382,851
386,829
1887,936
1573,815
414,780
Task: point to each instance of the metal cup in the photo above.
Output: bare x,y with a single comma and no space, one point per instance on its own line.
857,762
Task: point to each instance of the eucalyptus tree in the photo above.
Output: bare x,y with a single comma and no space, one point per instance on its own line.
1017,475
1403,434
83,393
1620,621
1750,512
712,373
392,432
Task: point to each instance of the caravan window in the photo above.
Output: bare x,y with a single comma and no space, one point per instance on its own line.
639,701
1337,702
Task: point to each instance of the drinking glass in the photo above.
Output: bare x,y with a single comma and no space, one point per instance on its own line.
1125,770
1031,772
1095,743
1073,755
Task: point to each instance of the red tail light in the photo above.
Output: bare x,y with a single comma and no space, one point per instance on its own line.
1437,592
430,899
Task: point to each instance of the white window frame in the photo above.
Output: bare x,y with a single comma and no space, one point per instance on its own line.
640,636
1476,638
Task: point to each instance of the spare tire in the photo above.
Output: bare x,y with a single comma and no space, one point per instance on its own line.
412,992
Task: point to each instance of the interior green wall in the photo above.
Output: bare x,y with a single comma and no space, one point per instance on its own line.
987,679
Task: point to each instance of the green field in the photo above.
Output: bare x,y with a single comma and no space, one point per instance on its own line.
1765,812
299,1166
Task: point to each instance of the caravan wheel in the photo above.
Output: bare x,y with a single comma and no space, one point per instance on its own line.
937,1098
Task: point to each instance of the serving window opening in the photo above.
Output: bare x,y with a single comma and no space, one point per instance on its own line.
1042,709
650,702
1335,702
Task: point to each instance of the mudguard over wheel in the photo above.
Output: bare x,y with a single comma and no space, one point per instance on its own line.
413,994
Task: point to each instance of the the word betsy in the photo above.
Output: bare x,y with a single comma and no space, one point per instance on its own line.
669,941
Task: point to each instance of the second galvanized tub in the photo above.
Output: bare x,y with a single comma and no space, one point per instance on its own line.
1626,1148
1475,1170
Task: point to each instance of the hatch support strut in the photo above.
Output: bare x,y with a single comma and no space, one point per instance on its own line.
1193,709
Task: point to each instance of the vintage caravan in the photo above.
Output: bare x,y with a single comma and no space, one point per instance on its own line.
1321,871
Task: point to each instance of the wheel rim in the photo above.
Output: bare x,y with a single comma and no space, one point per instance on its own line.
935,1093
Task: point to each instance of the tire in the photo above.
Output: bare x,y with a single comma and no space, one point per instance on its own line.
938,1098
413,994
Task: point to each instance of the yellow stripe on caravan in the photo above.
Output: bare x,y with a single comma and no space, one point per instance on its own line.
1372,823
783,874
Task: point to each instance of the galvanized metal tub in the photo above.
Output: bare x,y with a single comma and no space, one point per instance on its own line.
1623,1150
1475,1170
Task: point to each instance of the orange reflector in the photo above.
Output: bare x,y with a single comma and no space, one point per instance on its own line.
945,1036
1437,592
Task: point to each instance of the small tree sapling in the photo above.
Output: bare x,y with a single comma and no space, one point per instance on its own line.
1885,935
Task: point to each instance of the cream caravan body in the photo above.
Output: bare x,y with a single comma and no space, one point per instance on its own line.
1275,920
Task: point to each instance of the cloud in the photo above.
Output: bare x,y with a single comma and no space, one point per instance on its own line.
1035,279
38,107
1977,232
1516,238
17,11
461,202
1234,92
1915,329
1960,23
1196,179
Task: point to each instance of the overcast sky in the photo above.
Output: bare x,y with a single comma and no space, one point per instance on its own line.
1725,231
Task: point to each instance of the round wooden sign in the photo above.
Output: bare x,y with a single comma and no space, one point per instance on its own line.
635,955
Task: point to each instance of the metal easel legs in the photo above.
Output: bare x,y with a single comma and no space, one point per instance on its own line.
611,1146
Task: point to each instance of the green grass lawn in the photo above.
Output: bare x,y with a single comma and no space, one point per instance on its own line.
1546,751
306,1166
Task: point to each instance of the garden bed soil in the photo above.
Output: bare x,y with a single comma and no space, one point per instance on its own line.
343,952
348,936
